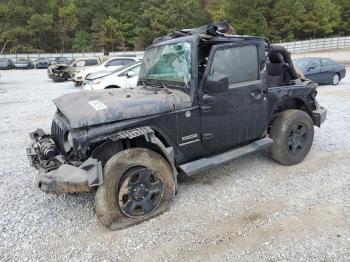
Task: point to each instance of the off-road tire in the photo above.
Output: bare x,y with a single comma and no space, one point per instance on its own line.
108,210
280,133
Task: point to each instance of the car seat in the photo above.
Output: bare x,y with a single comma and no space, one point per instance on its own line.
277,70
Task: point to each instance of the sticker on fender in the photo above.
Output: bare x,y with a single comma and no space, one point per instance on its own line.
97,105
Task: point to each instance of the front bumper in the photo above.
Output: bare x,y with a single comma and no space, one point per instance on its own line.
319,115
56,176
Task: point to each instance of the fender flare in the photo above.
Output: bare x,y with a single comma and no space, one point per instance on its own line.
150,137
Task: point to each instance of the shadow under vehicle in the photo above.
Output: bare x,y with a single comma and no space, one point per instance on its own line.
203,98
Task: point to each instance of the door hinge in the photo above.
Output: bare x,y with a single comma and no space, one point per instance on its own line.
207,136
205,109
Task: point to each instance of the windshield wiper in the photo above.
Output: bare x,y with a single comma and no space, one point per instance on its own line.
166,88
158,84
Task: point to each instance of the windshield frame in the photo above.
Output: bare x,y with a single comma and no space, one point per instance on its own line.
193,41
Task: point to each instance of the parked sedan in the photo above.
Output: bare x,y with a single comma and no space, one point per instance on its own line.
321,70
124,77
59,60
42,63
23,63
6,64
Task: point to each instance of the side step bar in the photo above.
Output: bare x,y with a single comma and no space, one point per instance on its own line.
203,164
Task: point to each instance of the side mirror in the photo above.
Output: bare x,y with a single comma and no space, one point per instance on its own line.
130,74
217,83
310,68
107,65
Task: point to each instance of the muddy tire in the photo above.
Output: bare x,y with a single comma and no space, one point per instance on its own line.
138,185
292,133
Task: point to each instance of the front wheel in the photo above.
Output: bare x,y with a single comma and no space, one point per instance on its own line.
292,133
335,79
138,185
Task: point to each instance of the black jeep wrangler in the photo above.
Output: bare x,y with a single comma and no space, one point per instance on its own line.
204,98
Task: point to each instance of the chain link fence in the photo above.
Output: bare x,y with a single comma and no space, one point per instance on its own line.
294,47
317,44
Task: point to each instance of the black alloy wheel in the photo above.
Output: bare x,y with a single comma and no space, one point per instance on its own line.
140,192
335,79
297,138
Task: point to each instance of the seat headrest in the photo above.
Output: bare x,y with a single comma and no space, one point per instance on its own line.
276,58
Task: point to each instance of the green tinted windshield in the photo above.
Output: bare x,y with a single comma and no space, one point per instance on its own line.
168,63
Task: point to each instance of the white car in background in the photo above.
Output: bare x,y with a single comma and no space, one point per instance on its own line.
108,65
124,77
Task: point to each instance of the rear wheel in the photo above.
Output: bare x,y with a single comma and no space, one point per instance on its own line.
138,185
292,133
335,79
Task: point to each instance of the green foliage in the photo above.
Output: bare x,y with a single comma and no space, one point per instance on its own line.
160,18
67,22
81,41
344,26
247,16
110,25
285,24
108,35
322,18
41,26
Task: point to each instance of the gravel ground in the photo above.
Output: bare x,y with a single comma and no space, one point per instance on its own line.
251,209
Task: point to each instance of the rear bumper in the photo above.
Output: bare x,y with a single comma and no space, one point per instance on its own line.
319,115
55,175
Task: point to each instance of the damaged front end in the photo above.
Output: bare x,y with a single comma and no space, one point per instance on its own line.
59,72
56,174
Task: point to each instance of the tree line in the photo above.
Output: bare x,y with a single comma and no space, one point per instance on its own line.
115,25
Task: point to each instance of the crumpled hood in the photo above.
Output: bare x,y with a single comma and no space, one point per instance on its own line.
105,106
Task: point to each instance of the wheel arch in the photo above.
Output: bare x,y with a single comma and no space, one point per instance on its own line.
286,103
144,137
